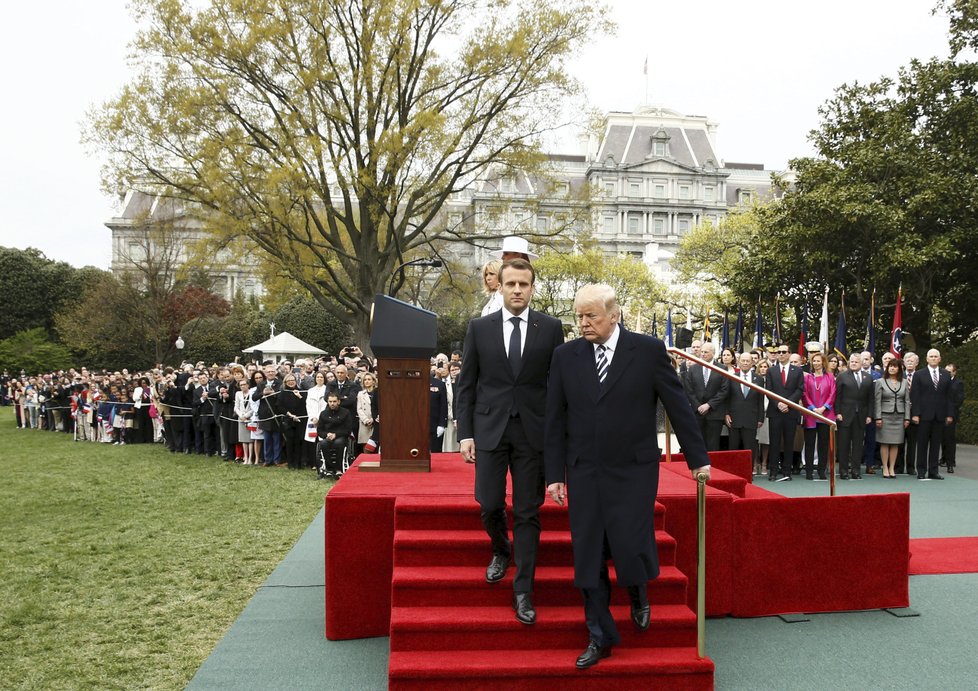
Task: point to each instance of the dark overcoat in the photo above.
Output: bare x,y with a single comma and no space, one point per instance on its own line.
602,441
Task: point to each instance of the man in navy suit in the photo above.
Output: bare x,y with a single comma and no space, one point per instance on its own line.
501,396
853,409
745,410
788,381
930,410
601,454
707,392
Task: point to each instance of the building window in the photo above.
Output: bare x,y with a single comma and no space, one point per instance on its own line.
562,188
634,188
683,226
660,191
659,148
710,193
542,224
609,189
634,224
659,226
608,224
636,255
684,191
744,196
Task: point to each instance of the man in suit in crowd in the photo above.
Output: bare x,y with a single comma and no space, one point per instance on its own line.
437,413
745,410
907,455
502,393
204,395
949,443
853,409
346,389
787,381
602,456
707,392
930,411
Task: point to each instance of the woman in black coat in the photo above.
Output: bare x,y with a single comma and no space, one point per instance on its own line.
292,404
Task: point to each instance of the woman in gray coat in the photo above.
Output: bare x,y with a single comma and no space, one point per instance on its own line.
892,413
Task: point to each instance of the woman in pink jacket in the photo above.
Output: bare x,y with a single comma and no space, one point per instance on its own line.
819,396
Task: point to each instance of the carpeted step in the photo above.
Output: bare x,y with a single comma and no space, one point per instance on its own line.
627,668
471,547
462,513
482,628
449,586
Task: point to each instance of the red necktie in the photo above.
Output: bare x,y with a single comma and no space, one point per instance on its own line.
784,376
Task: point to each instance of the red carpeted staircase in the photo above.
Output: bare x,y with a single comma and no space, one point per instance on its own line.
452,630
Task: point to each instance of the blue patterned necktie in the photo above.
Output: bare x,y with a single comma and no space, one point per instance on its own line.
601,363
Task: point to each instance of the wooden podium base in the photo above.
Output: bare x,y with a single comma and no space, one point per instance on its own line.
396,465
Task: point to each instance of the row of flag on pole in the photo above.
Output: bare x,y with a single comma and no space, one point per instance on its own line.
840,345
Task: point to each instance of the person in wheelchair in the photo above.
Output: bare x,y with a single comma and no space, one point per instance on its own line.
333,430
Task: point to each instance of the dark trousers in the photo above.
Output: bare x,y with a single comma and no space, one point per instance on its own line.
907,454
515,456
782,428
597,612
817,435
710,429
332,451
434,442
949,445
273,447
930,434
745,438
204,436
850,442
293,432
869,448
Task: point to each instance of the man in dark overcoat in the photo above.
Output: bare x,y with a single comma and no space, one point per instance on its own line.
601,453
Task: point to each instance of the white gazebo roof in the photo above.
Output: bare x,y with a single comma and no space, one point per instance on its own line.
283,344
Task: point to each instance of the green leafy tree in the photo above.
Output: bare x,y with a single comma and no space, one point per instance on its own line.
561,275
330,133
306,319
33,352
34,288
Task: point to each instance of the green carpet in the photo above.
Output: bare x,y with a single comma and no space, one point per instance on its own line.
278,641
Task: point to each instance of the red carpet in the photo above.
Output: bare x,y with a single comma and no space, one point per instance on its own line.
451,630
938,555
406,555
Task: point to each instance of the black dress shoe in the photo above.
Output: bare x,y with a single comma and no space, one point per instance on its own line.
523,606
935,476
592,654
857,476
843,477
497,568
641,612
950,469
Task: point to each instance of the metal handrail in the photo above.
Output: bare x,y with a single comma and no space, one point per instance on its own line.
701,487
833,425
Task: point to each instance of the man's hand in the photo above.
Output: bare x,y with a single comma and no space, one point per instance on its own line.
703,409
330,436
558,492
728,421
949,420
782,407
916,419
467,448
702,469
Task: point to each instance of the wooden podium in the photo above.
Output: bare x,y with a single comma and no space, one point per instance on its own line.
403,338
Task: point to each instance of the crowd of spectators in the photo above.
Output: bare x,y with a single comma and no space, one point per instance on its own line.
879,415
255,413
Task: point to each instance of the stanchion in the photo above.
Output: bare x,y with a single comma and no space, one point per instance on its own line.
832,460
701,565
668,441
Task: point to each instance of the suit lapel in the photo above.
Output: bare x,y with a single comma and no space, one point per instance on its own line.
585,351
532,332
497,342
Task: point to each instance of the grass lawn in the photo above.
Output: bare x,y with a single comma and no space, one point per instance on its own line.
122,566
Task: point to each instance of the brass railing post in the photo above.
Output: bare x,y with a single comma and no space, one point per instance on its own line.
701,565
668,441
